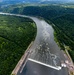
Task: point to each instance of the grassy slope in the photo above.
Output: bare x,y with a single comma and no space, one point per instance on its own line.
16,33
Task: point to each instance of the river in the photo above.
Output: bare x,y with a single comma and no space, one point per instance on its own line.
44,50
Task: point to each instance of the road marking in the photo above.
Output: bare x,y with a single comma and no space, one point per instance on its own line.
56,68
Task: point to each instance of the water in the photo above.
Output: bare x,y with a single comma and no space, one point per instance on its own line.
45,48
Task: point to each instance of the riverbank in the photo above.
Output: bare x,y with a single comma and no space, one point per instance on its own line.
22,62
49,48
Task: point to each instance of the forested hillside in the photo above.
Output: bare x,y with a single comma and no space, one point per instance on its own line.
60,15
16,34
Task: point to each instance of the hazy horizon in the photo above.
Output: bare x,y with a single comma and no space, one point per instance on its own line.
37,0
64,1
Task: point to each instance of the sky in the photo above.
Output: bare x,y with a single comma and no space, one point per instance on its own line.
57,0
44,0
60,0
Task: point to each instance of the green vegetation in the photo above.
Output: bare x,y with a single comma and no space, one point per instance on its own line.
16,34
72,54
61,15
64,32
65,24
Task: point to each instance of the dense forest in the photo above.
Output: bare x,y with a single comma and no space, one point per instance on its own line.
16,33
60,15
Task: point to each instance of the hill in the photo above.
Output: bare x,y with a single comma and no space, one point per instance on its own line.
60,15
16,34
